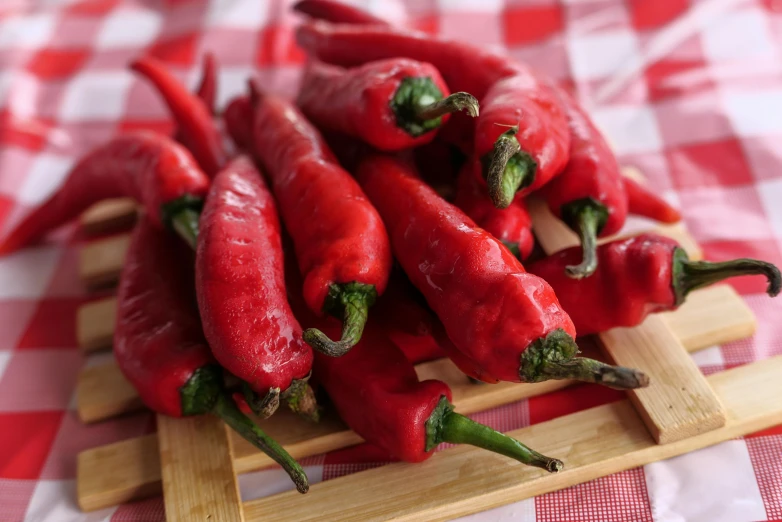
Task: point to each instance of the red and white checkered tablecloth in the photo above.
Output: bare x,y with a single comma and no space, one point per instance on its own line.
690,91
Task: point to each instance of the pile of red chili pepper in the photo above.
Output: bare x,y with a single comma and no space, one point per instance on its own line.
399,147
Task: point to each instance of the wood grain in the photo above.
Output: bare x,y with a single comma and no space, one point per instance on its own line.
95,323
199,481
101,261
679,402
109,216
464,480
103,392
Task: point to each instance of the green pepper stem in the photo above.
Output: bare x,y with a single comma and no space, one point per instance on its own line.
554,357
690,275
185,223
587,217
445,425
509,169
353,301
458,101
225,408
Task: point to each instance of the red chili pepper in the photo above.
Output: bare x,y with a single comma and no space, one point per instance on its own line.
508,321
336,12
193,116
636,277
641,201
341,244
160,347
391,104
377,393
439,163
511,225
241,291
238,118
151,168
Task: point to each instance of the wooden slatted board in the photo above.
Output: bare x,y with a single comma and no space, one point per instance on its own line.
681,408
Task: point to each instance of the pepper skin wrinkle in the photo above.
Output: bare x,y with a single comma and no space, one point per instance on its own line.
379,102
506,322
146,166
240,283
341,244
635,277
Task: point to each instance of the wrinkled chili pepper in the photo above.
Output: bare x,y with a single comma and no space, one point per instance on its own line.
160,347
635,277
591,194
508,322
511,225
336,12
241,292
341,244
151,168
377,393
238,118
391,104
193,116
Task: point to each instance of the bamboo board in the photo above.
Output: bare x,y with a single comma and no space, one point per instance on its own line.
464,480
110,215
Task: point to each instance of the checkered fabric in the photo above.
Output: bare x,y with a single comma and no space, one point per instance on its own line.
690,91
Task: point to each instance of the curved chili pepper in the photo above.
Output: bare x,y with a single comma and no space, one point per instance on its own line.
193,116
642,202
522,137
336,12
206,90
406,417
511,225
341,244
635,277
241,291
151,168
391,104
160,347
238,118
508,321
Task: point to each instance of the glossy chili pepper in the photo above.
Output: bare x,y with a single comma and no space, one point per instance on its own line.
160,347
238,118
341,244
377,393
643,202
391,104
151,168
194,118
206,90
337,12
511,225
241,291
636,277
507,321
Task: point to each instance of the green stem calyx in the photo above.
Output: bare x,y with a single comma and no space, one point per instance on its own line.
587,217
351,302
419,105
182,215
204,393
445,425
689,275
508,169
554,357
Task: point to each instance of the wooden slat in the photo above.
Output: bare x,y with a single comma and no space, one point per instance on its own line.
679,402
95,324
103,392
711,316
109,216
464,480
101,261
199,481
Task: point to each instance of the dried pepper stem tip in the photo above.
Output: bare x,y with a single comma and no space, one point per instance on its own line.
509,169
300,398
350,301
419,105
554,357
445,425
458,101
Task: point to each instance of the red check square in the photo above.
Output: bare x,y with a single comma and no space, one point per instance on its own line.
25,441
